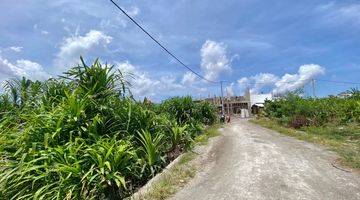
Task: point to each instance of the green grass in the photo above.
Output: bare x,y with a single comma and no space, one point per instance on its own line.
211,131
344,140
182,172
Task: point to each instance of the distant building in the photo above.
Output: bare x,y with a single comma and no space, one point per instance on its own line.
344,95
234,104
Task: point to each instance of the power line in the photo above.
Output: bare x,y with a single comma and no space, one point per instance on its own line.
322,80
162,46
342,82
199,75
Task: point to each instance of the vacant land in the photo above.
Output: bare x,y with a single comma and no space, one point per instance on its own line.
330,121
344,139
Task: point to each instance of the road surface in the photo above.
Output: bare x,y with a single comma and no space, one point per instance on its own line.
251,162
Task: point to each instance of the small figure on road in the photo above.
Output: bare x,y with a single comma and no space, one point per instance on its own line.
222,119
228,119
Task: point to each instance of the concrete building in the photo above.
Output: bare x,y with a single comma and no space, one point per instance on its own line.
234,104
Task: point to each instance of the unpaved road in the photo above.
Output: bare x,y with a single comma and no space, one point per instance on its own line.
251,162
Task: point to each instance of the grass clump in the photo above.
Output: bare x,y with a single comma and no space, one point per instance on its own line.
212,131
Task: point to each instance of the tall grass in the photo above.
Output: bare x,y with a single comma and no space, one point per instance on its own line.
82,136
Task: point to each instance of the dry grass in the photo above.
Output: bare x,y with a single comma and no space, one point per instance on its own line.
344,140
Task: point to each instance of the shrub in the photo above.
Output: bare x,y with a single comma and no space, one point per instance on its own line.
82,135
296,111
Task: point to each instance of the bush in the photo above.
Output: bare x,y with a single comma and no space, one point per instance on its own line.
82,136
296,111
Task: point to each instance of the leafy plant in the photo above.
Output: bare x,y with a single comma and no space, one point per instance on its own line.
83,136
151,149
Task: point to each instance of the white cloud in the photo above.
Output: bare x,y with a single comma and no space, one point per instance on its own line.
214,60
287,83
291,82
261,80
230,90
126,67
188,78
73,47
243,81
27,68
169,83
44,32
16,49
334,13
120,21
257,82
142,85
133,11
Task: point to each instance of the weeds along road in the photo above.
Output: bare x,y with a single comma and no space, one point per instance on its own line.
251,162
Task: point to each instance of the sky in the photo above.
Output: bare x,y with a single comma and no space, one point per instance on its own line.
266,46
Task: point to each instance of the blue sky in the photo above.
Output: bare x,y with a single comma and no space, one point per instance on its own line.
280,44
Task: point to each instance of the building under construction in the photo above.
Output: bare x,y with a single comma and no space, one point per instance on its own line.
235,104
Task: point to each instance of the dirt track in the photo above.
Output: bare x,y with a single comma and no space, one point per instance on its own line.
251,162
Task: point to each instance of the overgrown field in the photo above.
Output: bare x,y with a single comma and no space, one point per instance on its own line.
334,122
83,136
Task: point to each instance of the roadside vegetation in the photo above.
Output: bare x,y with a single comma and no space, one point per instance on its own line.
332,121
181,172
83,136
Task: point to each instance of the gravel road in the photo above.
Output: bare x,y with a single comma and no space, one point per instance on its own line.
251,162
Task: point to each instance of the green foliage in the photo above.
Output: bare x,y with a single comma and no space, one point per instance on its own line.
151,150
178,135
314,112
82,136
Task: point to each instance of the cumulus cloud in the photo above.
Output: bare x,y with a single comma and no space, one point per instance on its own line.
73,47
243,81
188,78
261,80
16,49
169,83
214,59
143,85
230,90
257,82
287,83
291,82
20,68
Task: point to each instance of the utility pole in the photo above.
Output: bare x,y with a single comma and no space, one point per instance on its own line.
313,87
222,98
227,101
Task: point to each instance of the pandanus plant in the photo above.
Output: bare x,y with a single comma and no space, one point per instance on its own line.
81,136
151,149
18,90
178,135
